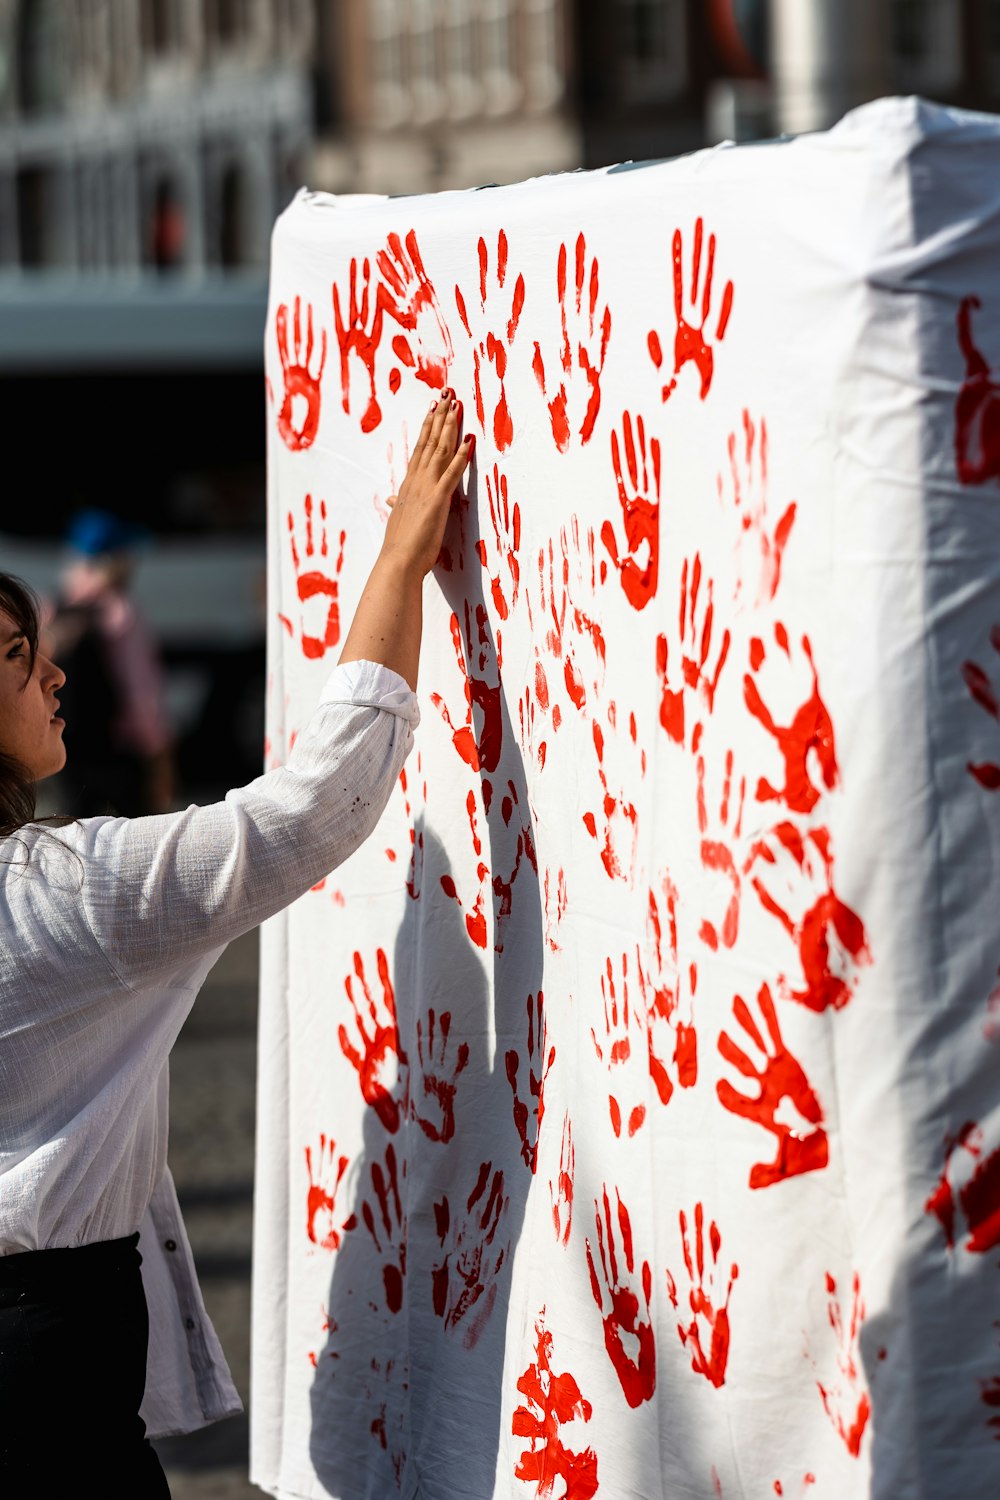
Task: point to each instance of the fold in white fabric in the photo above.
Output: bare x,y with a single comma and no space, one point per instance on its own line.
110,926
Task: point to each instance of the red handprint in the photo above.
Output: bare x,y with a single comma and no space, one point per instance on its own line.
614,1047
438,1079
987,773
637,1374
809,733
847,1406
388,1229
690,343
662,996
808,1480
820,987
327,1325
974,1179
506,523
478,745
415,878
298,415
537,1058
991,1397
615,826
555,902
475,920
357,336
468,1274
321,1199
717,853
492,347
380,1050
780,1077
977,409
561,1190
503,885
316,584
708,1359
552,1401
534,746
568,575
640,503
523,849
590,338
410,300
695,643
386,1392
759,548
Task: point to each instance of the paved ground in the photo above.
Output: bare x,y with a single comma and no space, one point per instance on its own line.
213,1078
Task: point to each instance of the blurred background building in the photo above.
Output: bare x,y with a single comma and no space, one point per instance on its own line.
147,146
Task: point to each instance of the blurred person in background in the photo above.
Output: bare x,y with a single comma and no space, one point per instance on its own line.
119,742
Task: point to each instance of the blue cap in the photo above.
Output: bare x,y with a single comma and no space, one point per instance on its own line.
96,533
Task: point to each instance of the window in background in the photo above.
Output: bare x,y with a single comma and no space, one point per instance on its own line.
233,208
924,44
228,23
424,78
295,24
92,47
498,63
9,250
652,49
461,71
228,20
158,26
389,98
166,235
7,100
993,42
543,69
35,194
40,56
86,210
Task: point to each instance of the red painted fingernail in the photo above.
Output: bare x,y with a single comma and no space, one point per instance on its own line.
471,440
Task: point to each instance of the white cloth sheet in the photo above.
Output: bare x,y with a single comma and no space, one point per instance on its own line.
630,1101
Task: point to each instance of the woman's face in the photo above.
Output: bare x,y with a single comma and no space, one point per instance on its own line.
30,728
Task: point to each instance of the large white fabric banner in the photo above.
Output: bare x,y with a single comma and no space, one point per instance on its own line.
630,1102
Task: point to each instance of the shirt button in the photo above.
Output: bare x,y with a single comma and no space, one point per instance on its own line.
189,1324
170,1244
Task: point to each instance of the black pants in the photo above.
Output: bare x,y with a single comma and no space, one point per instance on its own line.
73,1333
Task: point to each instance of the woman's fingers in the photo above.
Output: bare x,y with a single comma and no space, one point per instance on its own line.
419,515
459,463
447,437
443,437
428,439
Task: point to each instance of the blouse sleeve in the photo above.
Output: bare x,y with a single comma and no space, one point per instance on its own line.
163,892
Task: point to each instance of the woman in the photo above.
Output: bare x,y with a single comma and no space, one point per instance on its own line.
110,926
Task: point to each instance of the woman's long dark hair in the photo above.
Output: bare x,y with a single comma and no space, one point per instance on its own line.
17,785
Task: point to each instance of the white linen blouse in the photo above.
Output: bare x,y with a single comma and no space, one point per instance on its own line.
110,926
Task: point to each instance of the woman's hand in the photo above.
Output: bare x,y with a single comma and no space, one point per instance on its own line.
416,526
388,621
